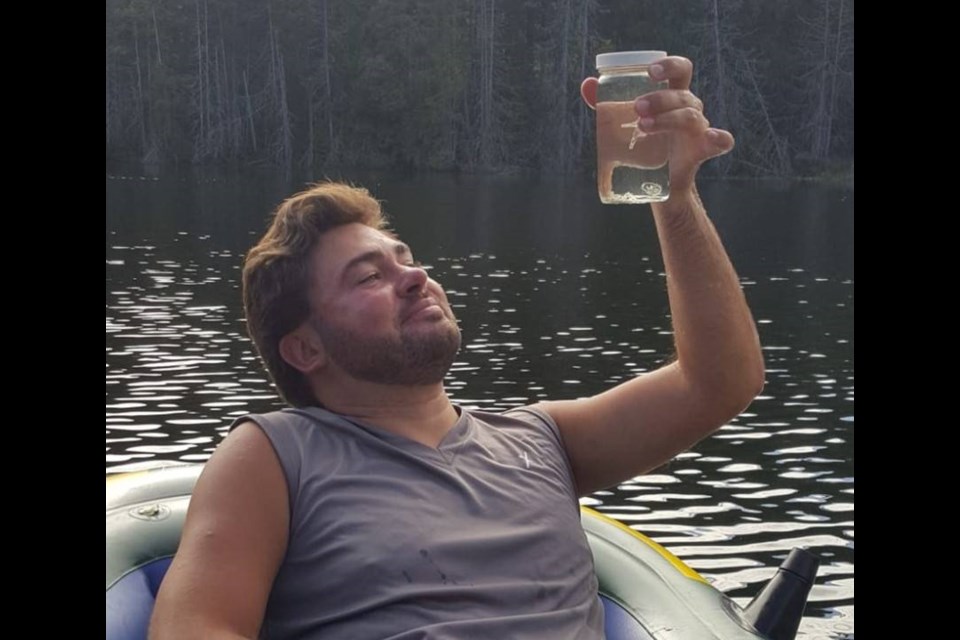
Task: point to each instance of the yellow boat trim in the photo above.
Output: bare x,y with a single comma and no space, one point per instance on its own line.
678,564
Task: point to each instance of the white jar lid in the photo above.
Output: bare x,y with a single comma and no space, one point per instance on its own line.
628,58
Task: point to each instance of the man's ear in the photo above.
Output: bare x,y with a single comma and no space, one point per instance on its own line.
303,350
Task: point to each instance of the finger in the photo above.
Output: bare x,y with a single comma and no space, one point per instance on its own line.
676,70
687,119
721,141
588,91
658,102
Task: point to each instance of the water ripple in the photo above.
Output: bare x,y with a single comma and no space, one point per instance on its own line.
562,325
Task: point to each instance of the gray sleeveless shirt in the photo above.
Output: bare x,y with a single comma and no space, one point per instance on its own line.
479,538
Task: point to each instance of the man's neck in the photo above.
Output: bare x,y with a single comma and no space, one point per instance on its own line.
421,413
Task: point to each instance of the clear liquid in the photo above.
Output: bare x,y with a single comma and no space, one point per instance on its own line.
631,165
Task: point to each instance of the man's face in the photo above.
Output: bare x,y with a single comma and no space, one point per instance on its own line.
379,316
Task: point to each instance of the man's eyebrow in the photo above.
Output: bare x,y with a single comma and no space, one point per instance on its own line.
399,248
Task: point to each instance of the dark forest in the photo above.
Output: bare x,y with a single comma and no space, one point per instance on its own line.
468,85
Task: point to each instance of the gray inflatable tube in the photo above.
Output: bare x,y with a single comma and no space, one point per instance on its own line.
647,592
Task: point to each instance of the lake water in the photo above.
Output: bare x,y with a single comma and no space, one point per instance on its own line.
558,297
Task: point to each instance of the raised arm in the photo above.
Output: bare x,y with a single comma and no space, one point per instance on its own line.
234,539
644,422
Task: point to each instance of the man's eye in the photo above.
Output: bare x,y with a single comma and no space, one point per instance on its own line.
370,278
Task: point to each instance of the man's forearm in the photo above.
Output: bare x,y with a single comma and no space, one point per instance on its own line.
715,336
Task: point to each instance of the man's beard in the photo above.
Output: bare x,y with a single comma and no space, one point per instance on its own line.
410,358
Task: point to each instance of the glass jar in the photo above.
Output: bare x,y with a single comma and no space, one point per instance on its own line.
631,164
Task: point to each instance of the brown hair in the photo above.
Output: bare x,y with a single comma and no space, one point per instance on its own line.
276,272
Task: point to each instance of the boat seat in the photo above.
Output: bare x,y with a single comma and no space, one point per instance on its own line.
130,602
618,624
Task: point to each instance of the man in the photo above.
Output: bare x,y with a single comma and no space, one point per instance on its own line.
376,508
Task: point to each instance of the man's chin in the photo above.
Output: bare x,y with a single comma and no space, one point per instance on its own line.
441,330
422,358
429,361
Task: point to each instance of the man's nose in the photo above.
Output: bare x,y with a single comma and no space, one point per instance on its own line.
413,281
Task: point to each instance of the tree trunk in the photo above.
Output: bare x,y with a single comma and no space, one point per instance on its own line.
108,85
282,146
309,153
249,103
202,133
582,112
834,74
141,104
156,36
286,137
327,92
206,73
721,116
486,28
780,164
562,123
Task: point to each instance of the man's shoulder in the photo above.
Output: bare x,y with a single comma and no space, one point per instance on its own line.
530,419
531,414
288,416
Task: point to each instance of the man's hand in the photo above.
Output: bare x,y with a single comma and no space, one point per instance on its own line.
678,112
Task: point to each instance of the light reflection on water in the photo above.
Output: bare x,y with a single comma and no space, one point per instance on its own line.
538,323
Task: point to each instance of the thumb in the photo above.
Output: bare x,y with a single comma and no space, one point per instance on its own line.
719,142
588,91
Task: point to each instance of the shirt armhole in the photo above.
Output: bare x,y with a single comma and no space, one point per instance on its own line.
287,452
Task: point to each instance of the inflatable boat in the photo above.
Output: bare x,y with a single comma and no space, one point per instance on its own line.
647,592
